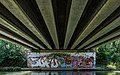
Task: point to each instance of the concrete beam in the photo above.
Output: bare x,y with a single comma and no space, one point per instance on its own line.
13,41
103,31
114,34
77,8
19,13
46,9
9,25
112,40
109,7
17,39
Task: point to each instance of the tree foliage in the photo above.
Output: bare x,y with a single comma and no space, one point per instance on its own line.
12,54
15,55
109,53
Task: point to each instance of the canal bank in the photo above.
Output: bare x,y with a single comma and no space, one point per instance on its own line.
56,69
61,73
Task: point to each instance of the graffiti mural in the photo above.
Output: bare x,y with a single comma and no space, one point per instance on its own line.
61,60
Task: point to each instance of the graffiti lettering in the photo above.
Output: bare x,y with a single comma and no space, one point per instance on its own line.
54,60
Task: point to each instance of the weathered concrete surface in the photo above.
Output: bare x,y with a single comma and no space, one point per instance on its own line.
18,12
103,31
77,8
62,20
9,25
117,33
17,39
96,45
105,11
46,9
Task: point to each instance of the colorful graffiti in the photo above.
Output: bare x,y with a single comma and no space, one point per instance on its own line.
61,60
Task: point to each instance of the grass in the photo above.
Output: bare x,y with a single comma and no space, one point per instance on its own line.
111,66
106,66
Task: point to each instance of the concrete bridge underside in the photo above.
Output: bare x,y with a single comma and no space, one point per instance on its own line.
60,24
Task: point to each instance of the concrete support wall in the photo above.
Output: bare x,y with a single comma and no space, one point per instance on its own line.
61,60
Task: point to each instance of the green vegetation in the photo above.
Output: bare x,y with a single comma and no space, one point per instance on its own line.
108,55
12,55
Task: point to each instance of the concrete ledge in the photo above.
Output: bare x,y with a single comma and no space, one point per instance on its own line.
56,69
10,68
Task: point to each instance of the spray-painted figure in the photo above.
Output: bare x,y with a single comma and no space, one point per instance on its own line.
62,62
88,62
55,63
68,62
93,63
80,61
74,63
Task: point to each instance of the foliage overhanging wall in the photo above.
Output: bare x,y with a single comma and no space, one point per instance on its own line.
61,60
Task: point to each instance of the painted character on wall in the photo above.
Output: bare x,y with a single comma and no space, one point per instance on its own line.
68,61
93,64
55,63
74,62
34,61
62,62
88,62
80,61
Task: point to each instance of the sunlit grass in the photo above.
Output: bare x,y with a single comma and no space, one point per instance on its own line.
18,73
111,66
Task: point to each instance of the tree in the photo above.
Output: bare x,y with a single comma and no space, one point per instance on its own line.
108,53
12,54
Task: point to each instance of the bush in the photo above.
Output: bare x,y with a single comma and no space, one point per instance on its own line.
109,53
12,55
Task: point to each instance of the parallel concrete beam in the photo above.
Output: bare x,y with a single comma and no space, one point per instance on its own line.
109,7
76,11
17,39
112,40
46,9
13,41
114,34
19,13
103,31
9,25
